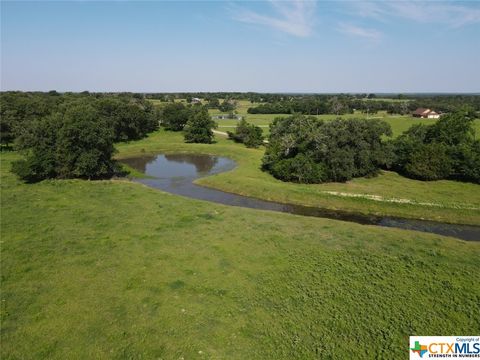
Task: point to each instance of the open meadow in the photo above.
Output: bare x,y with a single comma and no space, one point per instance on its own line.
113,269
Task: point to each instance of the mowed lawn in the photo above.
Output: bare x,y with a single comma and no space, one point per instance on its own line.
386,194
116,270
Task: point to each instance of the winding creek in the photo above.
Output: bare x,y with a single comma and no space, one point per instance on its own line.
175,173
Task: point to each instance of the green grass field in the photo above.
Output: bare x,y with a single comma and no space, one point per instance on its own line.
399,123
448,201
116,270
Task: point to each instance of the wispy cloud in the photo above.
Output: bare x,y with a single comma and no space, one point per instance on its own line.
452,14
367,9
292,17
359,31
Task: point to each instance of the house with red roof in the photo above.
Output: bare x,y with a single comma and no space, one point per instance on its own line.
425,113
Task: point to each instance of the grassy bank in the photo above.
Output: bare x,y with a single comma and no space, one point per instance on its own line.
386,194
115,270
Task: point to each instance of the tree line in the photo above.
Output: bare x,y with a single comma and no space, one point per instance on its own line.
313,104
306,106
340,105
131,117
71,135
307,150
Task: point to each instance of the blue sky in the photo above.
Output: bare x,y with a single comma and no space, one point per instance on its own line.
268,46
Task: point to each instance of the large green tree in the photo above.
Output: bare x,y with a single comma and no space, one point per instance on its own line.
199,126
445,149
304,149
131,119
174,116
227,105
76,144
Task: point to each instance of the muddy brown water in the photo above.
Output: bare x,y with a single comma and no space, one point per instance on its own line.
175,173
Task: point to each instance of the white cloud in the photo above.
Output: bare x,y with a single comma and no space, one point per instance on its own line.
292,17
454,15
359,31
442,12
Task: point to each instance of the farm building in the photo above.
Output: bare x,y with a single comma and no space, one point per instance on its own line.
425,113
196,101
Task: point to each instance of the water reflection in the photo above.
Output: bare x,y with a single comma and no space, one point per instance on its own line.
203,164
140,163
175,173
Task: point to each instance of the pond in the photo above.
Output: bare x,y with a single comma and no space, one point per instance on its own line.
175,173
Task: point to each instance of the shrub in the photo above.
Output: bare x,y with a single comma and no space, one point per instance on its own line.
36,167
301,169
248,134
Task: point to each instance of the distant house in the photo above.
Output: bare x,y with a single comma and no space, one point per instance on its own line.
425,113
196,101
227,117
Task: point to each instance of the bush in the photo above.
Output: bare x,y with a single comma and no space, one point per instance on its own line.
36,167
301,169
248,134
